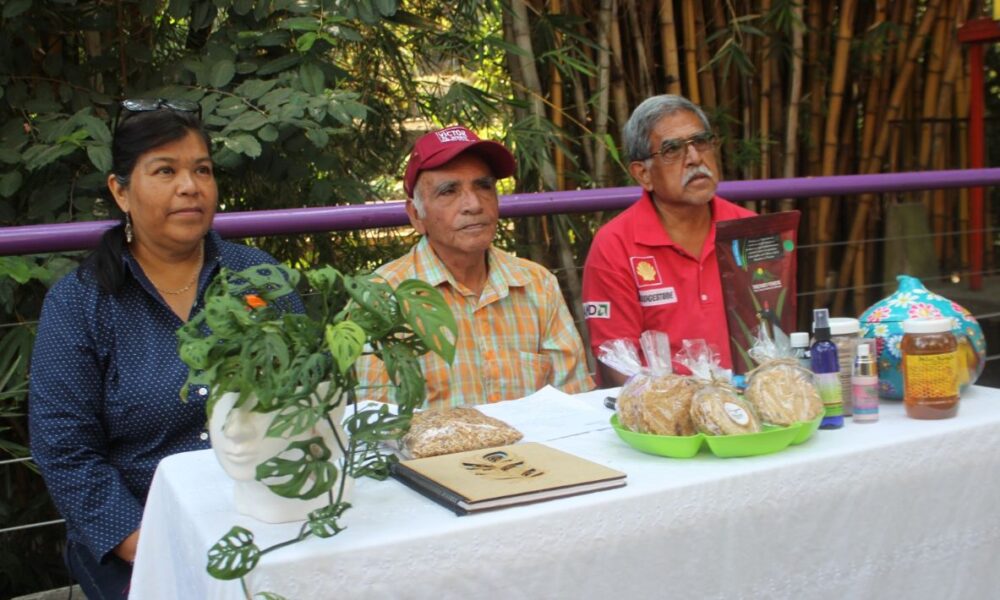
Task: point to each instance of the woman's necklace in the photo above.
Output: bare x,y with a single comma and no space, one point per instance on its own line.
194,277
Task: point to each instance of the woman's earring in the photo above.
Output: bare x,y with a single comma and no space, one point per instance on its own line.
128,228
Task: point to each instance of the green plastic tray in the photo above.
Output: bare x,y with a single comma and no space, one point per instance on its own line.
772,439
806,430
674,446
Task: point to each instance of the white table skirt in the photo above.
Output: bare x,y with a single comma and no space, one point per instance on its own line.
896,509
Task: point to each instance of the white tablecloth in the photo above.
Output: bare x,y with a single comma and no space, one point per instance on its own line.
896,509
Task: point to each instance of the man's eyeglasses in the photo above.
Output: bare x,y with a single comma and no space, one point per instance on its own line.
673,149
138,105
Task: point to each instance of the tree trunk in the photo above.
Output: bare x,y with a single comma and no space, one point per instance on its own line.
603,91
691,52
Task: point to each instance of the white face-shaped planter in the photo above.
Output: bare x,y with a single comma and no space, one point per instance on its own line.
240,443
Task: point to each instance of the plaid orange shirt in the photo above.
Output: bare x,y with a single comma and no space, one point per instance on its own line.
515,338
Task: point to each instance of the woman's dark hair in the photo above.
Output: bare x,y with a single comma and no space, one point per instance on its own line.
136,134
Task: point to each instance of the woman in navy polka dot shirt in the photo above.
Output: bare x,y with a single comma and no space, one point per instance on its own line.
105,373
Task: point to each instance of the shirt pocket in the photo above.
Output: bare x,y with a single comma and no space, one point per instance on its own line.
531,372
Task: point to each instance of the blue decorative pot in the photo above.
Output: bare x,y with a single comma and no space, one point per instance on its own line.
883,321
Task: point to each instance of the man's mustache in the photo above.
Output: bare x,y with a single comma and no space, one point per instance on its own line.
692,172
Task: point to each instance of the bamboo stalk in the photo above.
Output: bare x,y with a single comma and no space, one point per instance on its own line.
830,137
619,94
794,97
641,50
900,89
603,91
668,46
764,111
706,80
521,28
690,52
556,96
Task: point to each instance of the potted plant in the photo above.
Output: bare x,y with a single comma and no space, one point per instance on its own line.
299,367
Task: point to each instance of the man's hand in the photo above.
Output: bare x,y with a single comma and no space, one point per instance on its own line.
609,377
126,549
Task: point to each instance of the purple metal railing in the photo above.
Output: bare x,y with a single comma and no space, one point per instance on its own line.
32,239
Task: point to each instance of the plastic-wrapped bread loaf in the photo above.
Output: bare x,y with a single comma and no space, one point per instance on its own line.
783,394
717,410
657,404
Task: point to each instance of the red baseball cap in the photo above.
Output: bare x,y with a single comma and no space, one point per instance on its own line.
438,147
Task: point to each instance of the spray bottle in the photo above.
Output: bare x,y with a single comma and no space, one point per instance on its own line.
826,367
864,385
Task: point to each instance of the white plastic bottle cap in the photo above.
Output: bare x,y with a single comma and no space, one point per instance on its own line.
864,350
799,339
844,326
927,325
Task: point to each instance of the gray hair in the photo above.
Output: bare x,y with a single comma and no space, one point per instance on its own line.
639,128
418,203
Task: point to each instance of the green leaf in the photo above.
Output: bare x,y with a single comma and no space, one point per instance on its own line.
404,372
13,8
221,73
346,341
323,522
305,42
296,417
303,470
244,144
234,555
301,24
17,268
386,8
279,64
312,79
268,133
269,596
10,183
9,156
180,8
318,136
379,310
100,157
427,312
253,89
251,120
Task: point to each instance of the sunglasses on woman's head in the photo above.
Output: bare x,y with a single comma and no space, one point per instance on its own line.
138,105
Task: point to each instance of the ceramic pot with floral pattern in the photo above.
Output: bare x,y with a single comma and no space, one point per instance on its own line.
883,321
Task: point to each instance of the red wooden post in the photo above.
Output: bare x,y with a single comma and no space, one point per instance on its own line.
976,32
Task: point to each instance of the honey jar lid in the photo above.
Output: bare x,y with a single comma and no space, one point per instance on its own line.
937,325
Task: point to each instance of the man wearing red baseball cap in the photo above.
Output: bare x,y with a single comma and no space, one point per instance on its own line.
515,332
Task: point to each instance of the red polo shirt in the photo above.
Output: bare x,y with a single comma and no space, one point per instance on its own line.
636,278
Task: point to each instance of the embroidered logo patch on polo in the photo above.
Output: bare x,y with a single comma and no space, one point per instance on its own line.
646,273
658,296
596,310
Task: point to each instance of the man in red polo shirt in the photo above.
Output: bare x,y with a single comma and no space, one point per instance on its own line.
653,267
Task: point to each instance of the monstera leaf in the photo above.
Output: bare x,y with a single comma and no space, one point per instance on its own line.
296,417
376,310
428,314
323,522
405,373
303,470
346,341
234,555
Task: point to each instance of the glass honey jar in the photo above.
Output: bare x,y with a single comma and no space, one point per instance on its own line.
930,368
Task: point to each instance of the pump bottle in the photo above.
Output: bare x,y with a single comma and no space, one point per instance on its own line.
826,367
